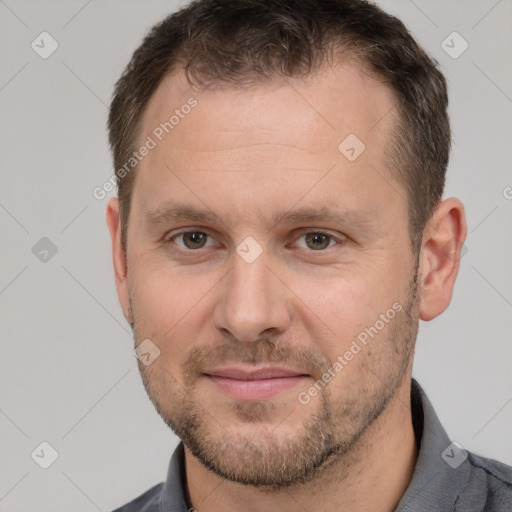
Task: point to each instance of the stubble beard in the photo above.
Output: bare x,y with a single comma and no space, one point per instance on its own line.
263,458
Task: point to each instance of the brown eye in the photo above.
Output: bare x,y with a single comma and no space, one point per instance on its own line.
318,241
192,239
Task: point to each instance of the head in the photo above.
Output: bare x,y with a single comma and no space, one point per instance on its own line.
284,216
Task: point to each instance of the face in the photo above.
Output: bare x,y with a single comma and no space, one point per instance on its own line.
269,261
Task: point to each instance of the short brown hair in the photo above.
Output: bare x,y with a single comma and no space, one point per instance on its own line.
244,41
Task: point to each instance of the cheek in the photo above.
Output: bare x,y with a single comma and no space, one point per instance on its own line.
164,293
345,303
171,308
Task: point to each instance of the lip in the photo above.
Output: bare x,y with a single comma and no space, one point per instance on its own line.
254,385
238,373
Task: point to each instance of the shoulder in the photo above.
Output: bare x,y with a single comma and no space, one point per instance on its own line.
146,502
489,485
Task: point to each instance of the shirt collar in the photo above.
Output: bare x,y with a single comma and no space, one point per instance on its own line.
434,486
173,493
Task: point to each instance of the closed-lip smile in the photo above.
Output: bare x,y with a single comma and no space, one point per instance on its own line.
245,383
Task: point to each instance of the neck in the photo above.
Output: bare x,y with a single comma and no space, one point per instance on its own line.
372,476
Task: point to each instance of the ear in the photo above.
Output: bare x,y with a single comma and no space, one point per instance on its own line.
441,250
119,257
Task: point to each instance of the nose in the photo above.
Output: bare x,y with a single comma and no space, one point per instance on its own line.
252,300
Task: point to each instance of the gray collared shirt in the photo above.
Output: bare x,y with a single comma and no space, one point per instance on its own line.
446,477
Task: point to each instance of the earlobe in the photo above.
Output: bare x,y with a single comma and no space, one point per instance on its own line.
119,257
441,250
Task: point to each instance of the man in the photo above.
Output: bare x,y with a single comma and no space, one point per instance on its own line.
279,233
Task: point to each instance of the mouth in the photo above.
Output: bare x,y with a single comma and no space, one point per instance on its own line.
254,384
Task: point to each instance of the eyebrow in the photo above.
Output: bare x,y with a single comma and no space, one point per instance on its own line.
187,212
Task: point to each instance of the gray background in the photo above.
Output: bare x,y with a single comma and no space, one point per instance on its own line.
68,375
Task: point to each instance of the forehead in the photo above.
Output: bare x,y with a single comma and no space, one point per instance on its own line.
340,99
278,135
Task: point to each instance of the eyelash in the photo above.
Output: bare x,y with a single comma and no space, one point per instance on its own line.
338,240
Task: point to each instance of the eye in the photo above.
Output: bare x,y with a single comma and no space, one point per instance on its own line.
192,239
317,241
314,240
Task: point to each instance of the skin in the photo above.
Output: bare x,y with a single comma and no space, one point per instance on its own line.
244,154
